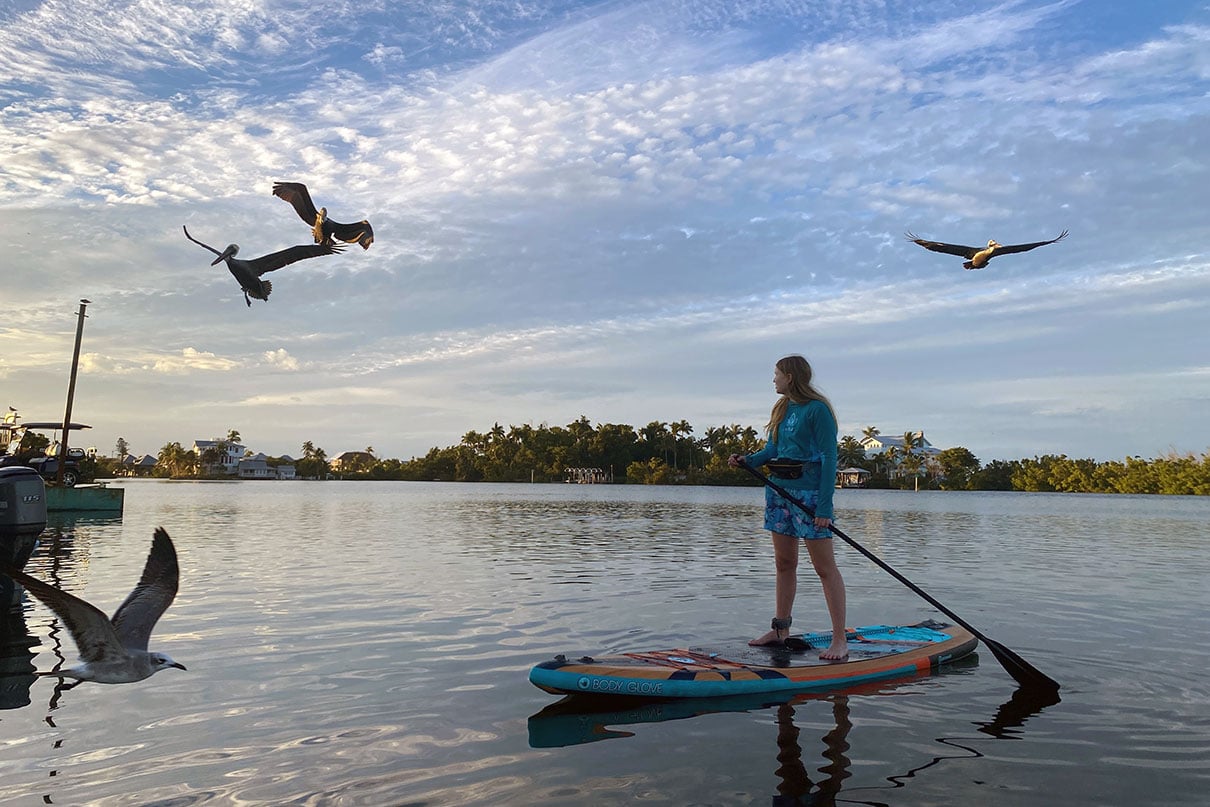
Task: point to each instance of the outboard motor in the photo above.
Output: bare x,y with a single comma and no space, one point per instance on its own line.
22,519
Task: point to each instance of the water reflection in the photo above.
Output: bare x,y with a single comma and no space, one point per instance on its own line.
795,786
578,719
17,670
16,660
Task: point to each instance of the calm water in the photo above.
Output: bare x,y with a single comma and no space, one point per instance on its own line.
368,644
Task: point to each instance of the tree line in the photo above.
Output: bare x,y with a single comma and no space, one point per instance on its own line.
673,453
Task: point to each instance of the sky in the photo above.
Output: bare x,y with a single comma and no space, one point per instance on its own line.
619,210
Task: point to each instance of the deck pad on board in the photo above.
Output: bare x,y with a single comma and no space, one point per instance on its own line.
803,650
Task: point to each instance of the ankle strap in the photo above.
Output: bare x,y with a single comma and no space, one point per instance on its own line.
781,624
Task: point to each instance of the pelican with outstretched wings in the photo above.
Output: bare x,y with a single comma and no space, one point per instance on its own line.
248,272
322,227
977,257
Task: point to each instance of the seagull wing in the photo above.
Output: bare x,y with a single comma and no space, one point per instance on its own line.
361,232
276,260
1011,248
94,634
296,194
137,615
949,249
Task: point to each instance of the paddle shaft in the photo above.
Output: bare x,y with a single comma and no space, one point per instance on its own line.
1021,670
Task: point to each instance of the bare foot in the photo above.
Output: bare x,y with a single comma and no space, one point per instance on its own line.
837,651
770,639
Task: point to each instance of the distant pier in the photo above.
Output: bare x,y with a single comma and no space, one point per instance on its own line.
587,476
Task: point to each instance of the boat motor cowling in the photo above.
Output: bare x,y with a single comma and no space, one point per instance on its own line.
22,519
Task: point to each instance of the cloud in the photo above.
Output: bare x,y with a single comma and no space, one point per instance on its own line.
191,360
282,359
572,197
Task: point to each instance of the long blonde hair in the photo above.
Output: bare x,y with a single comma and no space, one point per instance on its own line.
801,391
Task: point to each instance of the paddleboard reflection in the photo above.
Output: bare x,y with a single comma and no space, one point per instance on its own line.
579,719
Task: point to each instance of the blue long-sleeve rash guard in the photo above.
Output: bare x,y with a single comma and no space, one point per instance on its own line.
807,433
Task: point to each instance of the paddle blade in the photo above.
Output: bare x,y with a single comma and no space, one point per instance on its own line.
1022,671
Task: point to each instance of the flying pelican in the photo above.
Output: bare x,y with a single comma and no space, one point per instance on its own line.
977,257
248,273
322,227
114,651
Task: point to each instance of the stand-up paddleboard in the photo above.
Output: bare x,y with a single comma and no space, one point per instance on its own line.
875,652
577,719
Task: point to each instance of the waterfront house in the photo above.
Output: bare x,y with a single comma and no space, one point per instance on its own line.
852,478
228,459
353,461
136,466
258,467
884,443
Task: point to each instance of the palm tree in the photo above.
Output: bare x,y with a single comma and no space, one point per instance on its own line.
850,452
475,441
655,434
211,456
910,461
175,460
679,429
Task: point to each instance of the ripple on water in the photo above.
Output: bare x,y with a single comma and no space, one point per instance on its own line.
375,651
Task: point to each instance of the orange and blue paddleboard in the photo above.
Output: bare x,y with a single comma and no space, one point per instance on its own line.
876,652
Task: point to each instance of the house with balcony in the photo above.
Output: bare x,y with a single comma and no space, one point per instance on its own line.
884,443
890,447
227,459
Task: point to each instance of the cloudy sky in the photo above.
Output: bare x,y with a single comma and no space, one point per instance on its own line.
618,209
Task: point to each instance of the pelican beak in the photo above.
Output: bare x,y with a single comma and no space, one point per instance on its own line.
227,253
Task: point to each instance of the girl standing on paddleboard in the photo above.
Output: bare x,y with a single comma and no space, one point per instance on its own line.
801,455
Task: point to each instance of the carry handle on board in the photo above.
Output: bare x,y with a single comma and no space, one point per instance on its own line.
1021,670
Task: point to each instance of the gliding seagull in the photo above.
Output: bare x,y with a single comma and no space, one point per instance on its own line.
115,651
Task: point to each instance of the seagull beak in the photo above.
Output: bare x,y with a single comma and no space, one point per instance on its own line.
178,665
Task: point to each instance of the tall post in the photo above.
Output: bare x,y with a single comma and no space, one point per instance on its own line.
71,393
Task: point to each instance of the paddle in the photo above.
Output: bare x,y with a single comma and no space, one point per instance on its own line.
1025,673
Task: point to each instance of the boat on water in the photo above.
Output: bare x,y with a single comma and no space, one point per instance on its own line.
58,464
66,492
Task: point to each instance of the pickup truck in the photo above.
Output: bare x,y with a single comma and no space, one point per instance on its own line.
48,467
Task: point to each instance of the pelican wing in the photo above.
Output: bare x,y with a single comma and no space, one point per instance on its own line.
296,194
949,249
1011,248
361,232
156,589
199,243
276,260
94,634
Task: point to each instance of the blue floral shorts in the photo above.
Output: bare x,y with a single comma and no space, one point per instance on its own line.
788,518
